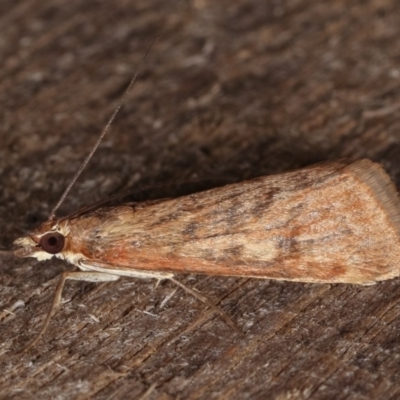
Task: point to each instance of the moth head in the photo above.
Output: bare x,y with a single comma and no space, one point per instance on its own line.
43,243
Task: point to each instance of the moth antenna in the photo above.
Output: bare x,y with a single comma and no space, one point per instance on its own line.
102,134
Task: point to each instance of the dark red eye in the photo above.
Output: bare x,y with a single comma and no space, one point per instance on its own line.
52,242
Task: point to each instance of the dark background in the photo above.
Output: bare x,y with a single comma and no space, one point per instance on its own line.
232,90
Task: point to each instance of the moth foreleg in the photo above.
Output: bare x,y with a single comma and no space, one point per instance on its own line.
76,276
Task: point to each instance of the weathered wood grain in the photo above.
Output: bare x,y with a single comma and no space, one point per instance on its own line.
233,90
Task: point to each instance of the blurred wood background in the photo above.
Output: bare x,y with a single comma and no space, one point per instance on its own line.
232,89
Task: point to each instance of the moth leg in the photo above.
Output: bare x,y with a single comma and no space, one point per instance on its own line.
157,283
207,301
76,276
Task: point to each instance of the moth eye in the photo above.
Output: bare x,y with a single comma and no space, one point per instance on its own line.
52,242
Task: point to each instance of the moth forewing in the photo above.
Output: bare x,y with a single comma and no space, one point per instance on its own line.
332,222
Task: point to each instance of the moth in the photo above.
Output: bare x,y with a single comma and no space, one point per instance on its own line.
335,222
328,223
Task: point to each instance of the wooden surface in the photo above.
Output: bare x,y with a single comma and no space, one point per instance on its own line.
232,90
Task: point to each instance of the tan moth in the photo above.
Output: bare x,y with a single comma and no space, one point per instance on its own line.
336,222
